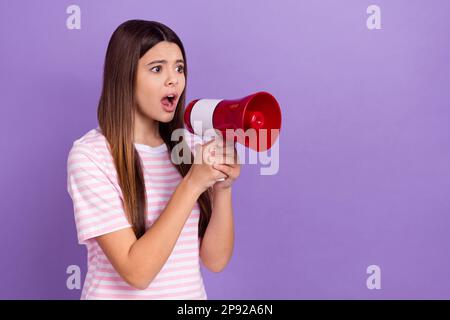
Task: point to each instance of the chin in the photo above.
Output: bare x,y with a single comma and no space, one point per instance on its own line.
167,118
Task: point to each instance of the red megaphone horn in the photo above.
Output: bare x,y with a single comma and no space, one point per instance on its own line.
255,119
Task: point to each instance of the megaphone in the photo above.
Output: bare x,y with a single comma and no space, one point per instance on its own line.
255,119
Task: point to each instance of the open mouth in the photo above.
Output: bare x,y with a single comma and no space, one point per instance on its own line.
169,100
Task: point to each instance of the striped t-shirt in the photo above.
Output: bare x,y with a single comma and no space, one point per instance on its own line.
97,198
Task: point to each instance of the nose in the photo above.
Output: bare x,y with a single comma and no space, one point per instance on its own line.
172,79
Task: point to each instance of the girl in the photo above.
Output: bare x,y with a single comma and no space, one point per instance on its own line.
147,222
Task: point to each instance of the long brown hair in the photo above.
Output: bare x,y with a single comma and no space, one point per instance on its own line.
129,42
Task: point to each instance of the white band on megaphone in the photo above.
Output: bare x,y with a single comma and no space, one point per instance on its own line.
203,111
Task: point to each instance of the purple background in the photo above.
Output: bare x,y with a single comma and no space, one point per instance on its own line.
364,153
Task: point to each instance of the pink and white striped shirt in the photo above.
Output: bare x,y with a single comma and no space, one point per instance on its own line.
97,198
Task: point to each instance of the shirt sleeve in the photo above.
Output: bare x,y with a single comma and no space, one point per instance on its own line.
97,203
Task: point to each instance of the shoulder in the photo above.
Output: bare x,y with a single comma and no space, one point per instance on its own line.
92,146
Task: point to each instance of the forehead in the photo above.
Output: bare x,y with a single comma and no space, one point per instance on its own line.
163,50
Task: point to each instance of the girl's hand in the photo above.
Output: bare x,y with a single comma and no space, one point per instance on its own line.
226,160
202,175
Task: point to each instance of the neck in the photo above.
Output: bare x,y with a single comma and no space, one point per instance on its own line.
146,131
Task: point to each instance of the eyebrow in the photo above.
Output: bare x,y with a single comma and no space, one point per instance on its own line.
164,61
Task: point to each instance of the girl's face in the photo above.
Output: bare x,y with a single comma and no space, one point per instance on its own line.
160,74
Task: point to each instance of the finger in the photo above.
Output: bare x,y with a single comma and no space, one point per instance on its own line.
209,152
212,141
226,156
222,176
226,150
219,175
224,168
231,169
226,146
225,160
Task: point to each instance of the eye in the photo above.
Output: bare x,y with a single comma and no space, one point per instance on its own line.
159,68
181,68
